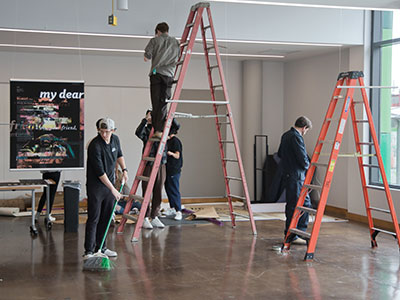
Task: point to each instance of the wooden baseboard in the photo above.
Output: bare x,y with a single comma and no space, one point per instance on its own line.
343,213
199,200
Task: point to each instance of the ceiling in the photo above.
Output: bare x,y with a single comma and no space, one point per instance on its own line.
106,44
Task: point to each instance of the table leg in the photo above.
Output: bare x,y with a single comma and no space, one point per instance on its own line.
34,231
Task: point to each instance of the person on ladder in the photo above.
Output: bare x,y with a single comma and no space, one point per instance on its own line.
294,164
163,51
143,133
104,152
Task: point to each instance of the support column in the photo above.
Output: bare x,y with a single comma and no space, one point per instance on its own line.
251,116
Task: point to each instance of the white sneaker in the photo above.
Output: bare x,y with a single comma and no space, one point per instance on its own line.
178,216
157,223
169,212
110,253
87,255
51,218
146,224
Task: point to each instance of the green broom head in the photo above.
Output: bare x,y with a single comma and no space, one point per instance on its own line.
98,263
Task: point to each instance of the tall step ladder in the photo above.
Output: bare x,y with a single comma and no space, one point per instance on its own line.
348,81
194,22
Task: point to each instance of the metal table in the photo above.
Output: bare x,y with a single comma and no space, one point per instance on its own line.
32,185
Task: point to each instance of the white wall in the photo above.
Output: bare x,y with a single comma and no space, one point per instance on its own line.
257,22
115,86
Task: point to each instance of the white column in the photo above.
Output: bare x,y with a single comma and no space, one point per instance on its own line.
251,116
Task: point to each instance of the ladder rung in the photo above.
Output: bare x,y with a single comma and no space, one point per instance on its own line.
301,233
207,27
236,196
213,67
179,63
370,166
154,139
136,197
313,186
373,187
307,209
338,97
326,142
230,159
209,48
332,119
198,102
190,25
224,122
148,158
384,231
379,209
366,143
225,141
361,121
240,215
185,44
143,178
130,217
233,178
358,102
320,164
217,86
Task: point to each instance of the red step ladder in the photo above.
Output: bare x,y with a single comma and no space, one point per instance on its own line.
346,80
194,22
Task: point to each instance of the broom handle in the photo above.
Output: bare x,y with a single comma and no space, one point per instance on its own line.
109,221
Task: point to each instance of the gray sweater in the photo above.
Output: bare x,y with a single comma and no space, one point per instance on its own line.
163,51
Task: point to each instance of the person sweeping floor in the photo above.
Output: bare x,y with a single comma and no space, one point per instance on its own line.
104,152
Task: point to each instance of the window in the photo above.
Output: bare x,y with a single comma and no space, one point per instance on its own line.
386,102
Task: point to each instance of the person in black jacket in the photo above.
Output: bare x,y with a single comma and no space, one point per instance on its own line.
143,132
294,164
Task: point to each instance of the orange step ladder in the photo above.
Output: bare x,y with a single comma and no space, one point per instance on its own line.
217,82
348,81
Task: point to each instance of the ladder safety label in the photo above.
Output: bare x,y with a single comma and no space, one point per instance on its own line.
337,145
332,165
347,104
342,125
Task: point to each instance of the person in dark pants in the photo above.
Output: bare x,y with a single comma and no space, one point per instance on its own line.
294,164
174,167
163,51
143,132
55,176
104,152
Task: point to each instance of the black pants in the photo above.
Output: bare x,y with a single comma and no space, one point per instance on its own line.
100,207
157,190
160,91
53,189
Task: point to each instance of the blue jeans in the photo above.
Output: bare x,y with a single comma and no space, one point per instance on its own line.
172,189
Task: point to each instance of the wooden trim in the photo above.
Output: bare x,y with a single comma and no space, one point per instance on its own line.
200,200
343,213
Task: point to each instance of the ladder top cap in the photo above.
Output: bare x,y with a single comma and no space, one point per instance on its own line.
351,74
200,4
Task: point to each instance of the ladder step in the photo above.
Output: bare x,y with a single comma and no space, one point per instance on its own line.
207,27
326,142
361,121
217,86
384,231
225,141
338,97
213,67
136,197
313,186
230,159
370,166
154,139
358,102
130,217
238,197
143,178
190,25
240,215
179,63
301,233
185,44
224,123
233,178
372,187
307,209
366,143
317,164
210,48
148,158
379,209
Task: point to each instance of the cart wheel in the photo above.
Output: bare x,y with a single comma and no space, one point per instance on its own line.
48,224
33,231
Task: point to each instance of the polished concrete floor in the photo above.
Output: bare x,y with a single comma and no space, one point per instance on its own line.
199,262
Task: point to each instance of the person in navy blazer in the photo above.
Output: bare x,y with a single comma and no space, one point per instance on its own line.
294,164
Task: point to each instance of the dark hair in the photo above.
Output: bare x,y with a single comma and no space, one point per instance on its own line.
162,27
148,111
174,127
98,123
302,122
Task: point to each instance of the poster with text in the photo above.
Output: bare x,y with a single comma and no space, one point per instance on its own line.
46,125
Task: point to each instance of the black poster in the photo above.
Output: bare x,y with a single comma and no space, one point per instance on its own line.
46,124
